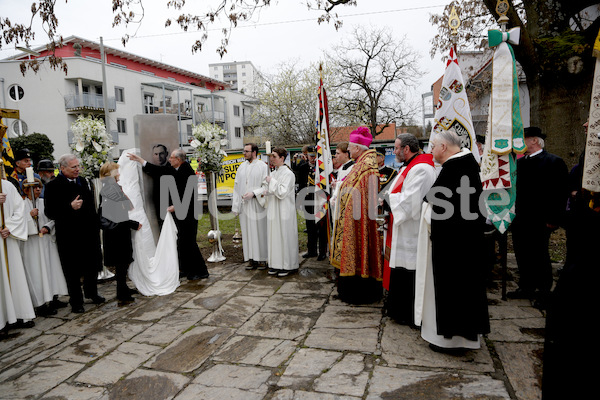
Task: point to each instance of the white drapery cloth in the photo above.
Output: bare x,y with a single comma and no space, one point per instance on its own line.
155,269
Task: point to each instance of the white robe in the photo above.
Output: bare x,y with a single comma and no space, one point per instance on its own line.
425,315
282,223
155,269
333,201
15,301
40,257
406,209
252,214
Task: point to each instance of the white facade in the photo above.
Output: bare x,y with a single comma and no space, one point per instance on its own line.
49,101
242,76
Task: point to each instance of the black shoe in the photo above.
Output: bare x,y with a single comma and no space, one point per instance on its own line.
308,255
321,257
454,351
196,277
44,311
56,304
133,291
97,299
125,300
273,271
284,273
206,275
520,294
77,310
250,267
24,325
262,265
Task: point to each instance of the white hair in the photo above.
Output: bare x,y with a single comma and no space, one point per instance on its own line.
64,160
450,137
360,146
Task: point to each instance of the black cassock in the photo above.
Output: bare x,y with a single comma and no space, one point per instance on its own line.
457,241
191,261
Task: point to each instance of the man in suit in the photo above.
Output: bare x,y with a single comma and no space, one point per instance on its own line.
69,201
540,208
191,262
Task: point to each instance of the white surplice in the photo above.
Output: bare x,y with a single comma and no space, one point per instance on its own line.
406,209
15,300
40,258
155,269
343,171
282,223
425,312
252,214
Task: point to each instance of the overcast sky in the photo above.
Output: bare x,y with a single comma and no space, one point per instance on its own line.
286,30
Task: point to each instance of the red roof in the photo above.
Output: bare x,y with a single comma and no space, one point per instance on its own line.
342,133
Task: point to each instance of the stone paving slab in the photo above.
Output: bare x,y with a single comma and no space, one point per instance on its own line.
277,325
144,385
359,339
349,376
306,366
169,328
403,346
190,350
521,362
46,375
215,295
122,361
256,351
401,384
287,394
235,311
294,303
67,391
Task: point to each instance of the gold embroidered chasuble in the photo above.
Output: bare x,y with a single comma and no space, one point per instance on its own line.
356,245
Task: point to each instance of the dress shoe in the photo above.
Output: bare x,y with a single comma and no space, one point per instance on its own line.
196,277
308,255
321,257
262,265
125,300
56,304
454,351
97,299
77,310
24,324
44,311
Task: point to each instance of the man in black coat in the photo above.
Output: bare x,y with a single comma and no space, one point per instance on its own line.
540,208
69,201
191,262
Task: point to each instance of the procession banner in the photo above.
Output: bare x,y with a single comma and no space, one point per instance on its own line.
591,170
452,110
324,164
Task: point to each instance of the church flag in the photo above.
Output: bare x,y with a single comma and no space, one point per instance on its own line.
324,164
452,110
504,136
8,157
591,169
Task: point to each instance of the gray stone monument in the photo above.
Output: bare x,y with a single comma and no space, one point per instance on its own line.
156,135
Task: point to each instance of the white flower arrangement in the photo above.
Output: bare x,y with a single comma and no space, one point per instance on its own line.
207,143
91,143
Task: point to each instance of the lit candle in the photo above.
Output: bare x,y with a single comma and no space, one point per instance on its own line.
29,173
268,146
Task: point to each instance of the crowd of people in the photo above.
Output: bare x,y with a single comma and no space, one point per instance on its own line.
416,234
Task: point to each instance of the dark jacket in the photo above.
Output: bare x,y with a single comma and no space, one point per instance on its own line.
77,231
116,225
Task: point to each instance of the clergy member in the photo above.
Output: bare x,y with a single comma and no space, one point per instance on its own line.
249,205
450,300
356,246
40,255
15,301
404,202
282,225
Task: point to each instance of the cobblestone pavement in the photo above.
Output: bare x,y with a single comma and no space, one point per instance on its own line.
247,335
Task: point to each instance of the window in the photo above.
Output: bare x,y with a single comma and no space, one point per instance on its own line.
120,94
243,74
19,127
149,103
238,132
236,111
16,92
167,102
216,68
98,90
122,125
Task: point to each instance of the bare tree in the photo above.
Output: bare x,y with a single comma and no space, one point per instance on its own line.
375,72
288,103
131,12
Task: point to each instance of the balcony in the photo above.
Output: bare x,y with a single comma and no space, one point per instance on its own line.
183,110
88,102
211,116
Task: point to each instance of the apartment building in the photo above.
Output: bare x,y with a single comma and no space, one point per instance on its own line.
49,101
242,75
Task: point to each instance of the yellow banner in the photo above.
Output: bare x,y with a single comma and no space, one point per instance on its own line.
225,181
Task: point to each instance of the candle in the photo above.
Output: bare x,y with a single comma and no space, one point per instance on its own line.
29,173
268,146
